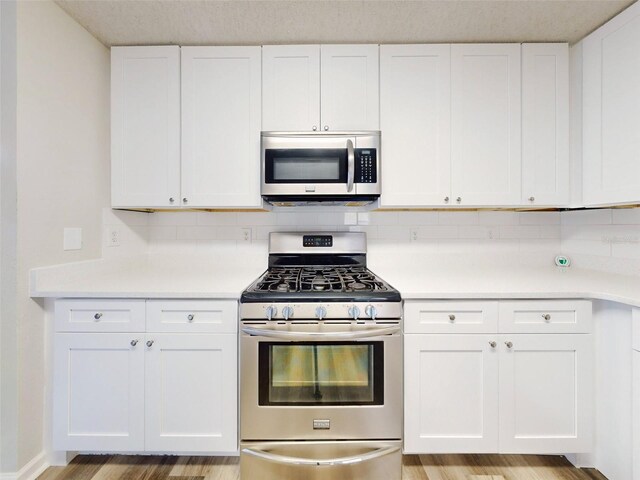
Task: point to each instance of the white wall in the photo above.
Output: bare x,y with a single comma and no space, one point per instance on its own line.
8,327
62,175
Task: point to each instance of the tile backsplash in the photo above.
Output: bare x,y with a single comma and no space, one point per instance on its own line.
448,232
602,239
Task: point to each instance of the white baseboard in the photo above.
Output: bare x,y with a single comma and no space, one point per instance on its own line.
30,471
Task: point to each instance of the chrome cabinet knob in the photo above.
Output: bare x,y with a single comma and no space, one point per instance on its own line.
458,199
171,200
314,128
508,344
532,199
354,312
326,127
321,312
287,312
270,312
446,199
134,343
546,317
184,200
371,312
190,317
452,318
493,344
97,316
150,343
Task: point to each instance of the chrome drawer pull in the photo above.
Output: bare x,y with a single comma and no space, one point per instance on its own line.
287,460
546,317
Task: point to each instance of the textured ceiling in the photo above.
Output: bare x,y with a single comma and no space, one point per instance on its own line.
245,22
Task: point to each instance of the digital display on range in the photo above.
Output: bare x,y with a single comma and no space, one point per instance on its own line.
317,240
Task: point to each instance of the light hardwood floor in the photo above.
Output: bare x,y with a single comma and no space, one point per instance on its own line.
415,467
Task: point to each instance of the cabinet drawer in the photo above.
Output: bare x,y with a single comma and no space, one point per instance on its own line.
450,317
92,315
204,316
545,316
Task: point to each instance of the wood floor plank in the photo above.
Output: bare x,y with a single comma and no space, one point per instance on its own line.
414,467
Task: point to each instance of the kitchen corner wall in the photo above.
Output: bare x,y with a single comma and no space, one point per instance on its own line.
62,176
603,239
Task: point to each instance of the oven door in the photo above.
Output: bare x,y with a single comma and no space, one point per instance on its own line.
308,165
321,380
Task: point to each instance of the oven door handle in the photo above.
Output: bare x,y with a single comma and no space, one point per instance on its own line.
321,336
351,162
297,461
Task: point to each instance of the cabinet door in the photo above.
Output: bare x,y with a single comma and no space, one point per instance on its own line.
545,124
636,413
546,394
145,126
191,391
611,111
451,394
291,88
350,98
98,392
221,126
485,124
415,107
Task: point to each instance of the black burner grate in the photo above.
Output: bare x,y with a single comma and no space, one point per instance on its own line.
319,279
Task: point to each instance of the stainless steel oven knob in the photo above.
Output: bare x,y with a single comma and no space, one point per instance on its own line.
270,312
321,312
287,312
354,312
371,312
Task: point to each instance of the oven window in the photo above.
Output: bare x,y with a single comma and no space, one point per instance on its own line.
327,373
305,166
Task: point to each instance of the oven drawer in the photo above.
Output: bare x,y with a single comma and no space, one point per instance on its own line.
450,317
545,316
192,316
91,315
381,460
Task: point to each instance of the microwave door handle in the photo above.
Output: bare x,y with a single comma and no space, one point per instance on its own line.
351,165
321,336
288,460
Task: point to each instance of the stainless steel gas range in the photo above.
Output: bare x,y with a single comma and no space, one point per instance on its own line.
320,364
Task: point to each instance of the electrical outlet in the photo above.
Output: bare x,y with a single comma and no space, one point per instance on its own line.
414,234
246,235
113,237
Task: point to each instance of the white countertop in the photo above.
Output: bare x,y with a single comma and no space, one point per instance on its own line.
157,276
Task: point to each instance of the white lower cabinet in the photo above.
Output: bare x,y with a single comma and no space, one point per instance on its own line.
497,391
636,413
191,393
451,394
545,393
148,391
98,392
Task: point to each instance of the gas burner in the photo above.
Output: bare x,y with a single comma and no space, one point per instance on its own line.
358,286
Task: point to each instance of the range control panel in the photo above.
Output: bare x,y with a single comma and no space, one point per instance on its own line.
365,171
317,241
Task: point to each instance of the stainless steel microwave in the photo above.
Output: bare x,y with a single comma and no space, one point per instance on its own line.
323,167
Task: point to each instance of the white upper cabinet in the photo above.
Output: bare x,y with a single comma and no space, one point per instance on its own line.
315,88
485,124
291,88
415,96
221,105
145,126
611,111
350,87
545,124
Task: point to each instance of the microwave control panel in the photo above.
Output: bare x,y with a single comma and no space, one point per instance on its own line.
365,171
